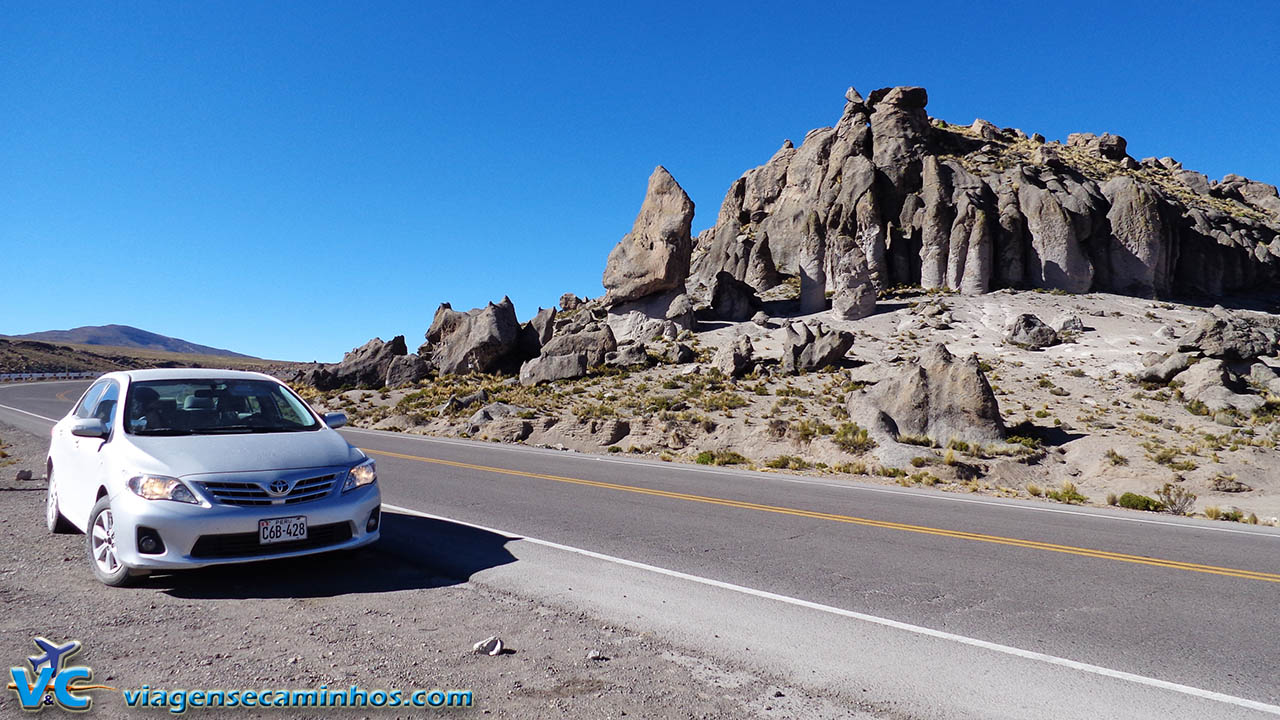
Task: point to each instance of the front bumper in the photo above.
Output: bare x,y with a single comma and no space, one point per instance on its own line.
214,534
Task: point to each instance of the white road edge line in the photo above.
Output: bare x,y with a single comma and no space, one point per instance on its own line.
779,477
24,412
895,624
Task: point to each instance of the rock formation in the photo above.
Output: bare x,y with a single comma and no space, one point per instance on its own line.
364,367
976,208
654,256
479,340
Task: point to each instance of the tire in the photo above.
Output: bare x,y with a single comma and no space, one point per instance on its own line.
53,517
100,543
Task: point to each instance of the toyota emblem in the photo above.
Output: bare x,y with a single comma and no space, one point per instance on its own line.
278,487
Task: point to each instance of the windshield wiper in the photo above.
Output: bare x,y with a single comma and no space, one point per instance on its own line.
164,431
244,429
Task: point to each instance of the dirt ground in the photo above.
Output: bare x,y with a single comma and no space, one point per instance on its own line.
374,618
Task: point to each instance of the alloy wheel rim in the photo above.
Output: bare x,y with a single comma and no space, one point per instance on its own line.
104,543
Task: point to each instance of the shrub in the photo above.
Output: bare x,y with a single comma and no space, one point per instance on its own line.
1067,493
1175,498
1116,458
853,439
706,457
1212,512
729,457
1134,501
921,461
918,440
851,468
892,472
788,462
615,448
1034,489
724,401
1111,499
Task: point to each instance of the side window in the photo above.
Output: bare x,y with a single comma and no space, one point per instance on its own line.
106,407
89,400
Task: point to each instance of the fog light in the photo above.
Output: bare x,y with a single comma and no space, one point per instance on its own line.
373,521
149,542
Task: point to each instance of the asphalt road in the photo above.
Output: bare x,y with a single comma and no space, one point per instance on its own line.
922,603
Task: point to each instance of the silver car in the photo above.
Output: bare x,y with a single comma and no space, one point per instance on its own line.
168,469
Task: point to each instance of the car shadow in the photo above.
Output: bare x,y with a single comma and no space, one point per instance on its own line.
414,553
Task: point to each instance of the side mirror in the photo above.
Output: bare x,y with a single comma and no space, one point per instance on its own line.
335,420
89,428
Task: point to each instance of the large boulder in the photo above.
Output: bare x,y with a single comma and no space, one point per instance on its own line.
364,367
480,340
735,358
1210,383
732,299
592,338
1028,331
938,396
654,256
1220,334
549,368
407,370
806,350
1164,371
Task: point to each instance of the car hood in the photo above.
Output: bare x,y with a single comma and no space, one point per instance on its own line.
202,454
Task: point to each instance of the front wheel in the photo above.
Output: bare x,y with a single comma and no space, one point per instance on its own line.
104,557
53,517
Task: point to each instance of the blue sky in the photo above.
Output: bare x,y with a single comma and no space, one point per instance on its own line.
291,179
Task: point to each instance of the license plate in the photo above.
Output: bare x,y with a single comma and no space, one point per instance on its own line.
285,529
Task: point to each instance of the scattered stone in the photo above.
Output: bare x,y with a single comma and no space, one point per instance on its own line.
489,646
23,475
1068,324
1165,370
761,318
1229,484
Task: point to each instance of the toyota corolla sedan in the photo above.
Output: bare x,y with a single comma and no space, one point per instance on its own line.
169,469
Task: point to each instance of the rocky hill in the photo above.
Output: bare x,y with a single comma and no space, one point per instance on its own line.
123,336
871,303
973,208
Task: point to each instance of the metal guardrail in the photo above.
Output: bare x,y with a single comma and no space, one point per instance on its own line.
30,377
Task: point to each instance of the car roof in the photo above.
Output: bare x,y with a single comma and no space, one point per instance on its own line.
188,374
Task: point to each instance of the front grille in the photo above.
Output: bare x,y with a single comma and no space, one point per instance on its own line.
247,545
253,493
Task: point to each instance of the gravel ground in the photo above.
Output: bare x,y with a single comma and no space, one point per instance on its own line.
371,618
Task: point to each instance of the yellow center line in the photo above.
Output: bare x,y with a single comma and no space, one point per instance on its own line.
884,524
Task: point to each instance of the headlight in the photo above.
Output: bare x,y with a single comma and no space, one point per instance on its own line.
159,487
363,474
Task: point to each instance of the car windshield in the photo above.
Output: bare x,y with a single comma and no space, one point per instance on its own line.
214,407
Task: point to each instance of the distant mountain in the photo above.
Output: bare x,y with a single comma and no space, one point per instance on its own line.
125,337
